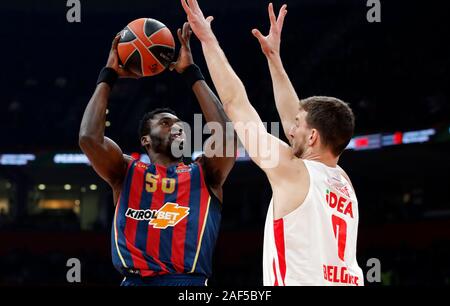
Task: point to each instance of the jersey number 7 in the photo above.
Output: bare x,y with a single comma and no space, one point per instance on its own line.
340,231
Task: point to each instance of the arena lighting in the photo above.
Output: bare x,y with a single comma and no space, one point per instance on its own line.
70,159
357,143
41,187
375,141
241,155
16,159
392,139
144,158
367,142
418,136
67,187
93,187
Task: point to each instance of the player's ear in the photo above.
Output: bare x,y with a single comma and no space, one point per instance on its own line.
313,137
145,141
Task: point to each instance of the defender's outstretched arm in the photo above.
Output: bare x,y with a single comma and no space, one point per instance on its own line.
286,99
267,151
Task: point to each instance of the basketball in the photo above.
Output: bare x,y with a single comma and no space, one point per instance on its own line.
146,47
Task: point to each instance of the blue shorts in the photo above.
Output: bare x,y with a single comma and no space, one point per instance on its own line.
166,280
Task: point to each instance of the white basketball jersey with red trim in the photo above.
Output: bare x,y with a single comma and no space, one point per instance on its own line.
316,243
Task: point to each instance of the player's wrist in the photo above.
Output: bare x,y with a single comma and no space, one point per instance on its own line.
192,74
108,75
273,55
209,39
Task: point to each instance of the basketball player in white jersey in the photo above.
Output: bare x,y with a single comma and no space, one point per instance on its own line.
312,222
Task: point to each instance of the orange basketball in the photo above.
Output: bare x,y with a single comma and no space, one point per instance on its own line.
146,47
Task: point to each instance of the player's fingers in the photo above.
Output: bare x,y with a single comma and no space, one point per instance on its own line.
185,30
188,33
186,7
257,34
209,19
180,37
281,15
115,42
194,4
172,66
124,73
273,20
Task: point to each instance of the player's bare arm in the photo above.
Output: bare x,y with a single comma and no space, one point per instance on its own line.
216,168
276,158
286,99
104,154
232,93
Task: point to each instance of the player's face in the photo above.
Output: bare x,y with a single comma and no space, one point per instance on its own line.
299,134
166,132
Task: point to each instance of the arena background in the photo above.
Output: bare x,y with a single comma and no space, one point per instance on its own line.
394,73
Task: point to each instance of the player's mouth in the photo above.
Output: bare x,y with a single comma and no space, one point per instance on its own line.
176,136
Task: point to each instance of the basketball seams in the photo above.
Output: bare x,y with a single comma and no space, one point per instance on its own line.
140,40
155,58
137,37
159,45
154,33
128,57
142,57
143,31
148,38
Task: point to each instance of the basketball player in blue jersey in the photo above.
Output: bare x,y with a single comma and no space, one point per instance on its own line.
167,213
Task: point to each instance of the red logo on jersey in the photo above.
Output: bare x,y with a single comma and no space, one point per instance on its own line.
336,274
339,203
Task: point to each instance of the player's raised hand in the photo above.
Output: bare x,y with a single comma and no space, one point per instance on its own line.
113,61
270,44
185,55
200,25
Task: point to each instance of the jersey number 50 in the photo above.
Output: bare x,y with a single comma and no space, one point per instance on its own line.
151,183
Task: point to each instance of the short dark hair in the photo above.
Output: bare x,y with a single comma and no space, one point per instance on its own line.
144,127
333,118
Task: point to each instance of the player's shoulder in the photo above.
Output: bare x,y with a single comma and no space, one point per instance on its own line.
127,159
345,175
136,163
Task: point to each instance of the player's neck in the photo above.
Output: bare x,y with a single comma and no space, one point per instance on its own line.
323,156
163,159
